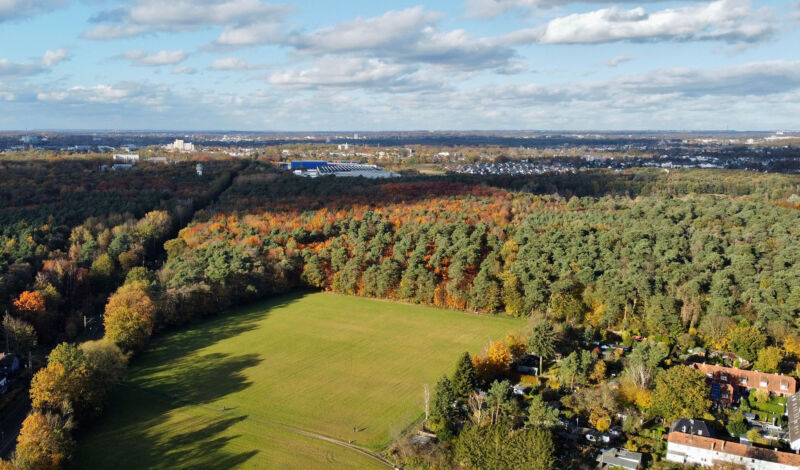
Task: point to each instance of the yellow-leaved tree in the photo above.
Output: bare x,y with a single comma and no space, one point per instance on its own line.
43,443
129,316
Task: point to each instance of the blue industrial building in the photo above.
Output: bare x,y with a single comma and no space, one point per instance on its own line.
306,164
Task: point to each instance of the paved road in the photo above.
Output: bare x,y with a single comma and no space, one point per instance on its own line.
12,423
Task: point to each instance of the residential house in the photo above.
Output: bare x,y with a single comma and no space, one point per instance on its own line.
9,367
620,458
726,382
793,409
705,451
695,427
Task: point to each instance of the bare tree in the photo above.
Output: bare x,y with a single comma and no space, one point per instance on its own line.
427,401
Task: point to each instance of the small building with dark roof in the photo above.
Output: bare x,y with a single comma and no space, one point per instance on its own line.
695,427
620,458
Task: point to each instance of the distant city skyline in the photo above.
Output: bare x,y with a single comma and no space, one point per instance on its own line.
354,65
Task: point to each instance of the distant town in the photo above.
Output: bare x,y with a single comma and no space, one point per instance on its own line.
477,153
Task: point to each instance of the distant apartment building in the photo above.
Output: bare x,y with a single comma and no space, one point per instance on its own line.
126,158
180,146
706,451
728,382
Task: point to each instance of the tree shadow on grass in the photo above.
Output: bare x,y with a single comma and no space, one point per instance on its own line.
140,433
161,417
167,367
201,448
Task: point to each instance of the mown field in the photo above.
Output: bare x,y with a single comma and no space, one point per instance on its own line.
345,367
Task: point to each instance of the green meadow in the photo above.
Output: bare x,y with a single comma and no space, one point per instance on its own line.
259,387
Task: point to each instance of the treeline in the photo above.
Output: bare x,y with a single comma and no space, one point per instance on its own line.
686,267
264,186
54,277
101,253
682,262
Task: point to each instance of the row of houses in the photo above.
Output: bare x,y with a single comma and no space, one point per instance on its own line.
731,381
694,449
691,442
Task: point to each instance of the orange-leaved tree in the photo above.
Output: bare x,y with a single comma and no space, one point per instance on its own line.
43,443
30,303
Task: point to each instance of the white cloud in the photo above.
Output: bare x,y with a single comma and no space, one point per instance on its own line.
19,69
10,69
191,14
408,36
493,8
250,35
52,58
750,96
183,69
367,33
728,20
230,63
111,31
618,60
88,94
148,16
333,72
752,79
11,10
144,59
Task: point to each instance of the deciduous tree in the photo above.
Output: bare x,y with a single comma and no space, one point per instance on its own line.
681,392
129,317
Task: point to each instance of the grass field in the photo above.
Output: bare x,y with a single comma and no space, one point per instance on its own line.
323,363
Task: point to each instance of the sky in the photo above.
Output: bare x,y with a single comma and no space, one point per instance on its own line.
365,65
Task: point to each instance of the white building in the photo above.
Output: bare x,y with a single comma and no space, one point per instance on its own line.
180,146
121,166
126,157
793,410
706,451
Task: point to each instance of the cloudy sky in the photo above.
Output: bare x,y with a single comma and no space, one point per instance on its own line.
400,65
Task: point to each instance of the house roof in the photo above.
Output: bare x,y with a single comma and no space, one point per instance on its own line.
621,458
697,427
793,405
749,378
734,448
7,360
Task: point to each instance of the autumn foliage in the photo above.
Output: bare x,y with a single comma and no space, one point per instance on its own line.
42,444
28,304
129,317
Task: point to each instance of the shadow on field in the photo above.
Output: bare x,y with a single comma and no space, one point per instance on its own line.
201,448
130,438
172,373
175,366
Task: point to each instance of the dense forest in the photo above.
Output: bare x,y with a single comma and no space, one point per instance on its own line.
675,255
70,232
686,258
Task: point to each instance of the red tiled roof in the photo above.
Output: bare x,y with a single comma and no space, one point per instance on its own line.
750,378
734,448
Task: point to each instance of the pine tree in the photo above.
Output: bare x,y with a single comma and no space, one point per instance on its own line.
542,341
443,399
464,378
